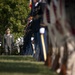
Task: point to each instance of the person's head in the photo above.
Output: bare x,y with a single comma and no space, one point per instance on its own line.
7,31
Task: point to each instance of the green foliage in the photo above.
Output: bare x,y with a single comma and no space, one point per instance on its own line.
13,14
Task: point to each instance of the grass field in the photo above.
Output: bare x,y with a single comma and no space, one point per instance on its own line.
22,65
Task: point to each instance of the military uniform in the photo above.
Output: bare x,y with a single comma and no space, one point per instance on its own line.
27,39
8,43
37,15
37,18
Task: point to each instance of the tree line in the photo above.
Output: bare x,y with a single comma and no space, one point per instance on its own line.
13,14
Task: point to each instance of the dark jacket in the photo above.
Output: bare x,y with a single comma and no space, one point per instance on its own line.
37,13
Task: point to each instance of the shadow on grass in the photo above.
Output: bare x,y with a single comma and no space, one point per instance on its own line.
18,68
27,66
17,57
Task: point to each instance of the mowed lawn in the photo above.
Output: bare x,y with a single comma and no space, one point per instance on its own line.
23,65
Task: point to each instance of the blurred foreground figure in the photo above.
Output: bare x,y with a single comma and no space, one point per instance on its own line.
60,35
71,59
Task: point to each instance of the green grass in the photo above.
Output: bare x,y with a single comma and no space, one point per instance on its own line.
23,65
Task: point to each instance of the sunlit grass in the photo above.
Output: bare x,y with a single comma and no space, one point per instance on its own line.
23,65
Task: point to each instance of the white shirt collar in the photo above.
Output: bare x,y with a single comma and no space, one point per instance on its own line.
30,21
36,3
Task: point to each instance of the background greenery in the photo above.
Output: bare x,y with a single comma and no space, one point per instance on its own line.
13,14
